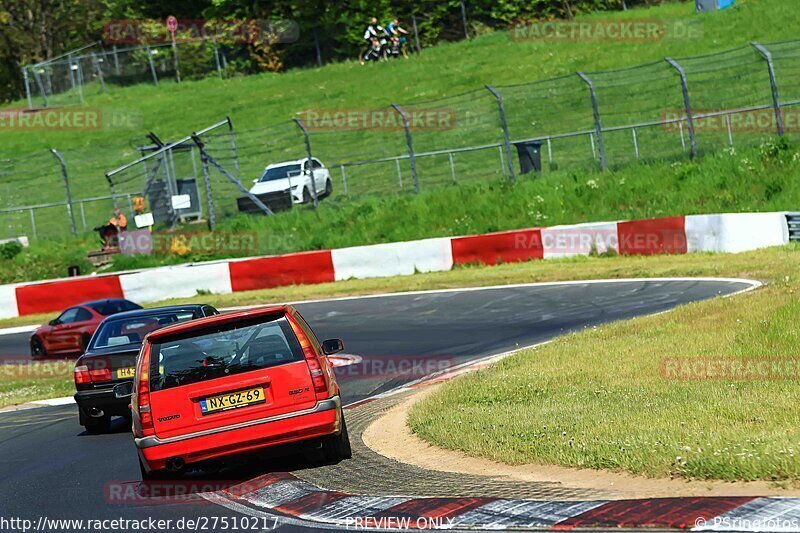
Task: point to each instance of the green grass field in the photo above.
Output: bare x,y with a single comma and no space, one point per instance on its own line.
261,106
599,398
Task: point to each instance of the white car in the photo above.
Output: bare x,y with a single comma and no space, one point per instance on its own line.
295,175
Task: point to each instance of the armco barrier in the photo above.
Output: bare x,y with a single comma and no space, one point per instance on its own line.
52,296
734,232
654,236
494,248
276,271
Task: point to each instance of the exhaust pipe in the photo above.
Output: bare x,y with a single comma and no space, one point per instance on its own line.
175,464
94,412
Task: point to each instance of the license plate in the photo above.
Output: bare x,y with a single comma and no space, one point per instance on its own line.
124,373
232,400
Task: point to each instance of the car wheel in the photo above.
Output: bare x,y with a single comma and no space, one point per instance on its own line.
85,343
306,196
37,348
337,447
328,189
97,426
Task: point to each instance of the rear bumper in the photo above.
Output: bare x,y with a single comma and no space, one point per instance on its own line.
321,420
104,400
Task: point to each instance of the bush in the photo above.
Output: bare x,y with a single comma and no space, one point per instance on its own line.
10,249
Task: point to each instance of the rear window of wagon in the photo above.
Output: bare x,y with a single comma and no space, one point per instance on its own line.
224,351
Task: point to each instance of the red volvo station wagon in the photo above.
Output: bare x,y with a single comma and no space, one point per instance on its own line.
230,384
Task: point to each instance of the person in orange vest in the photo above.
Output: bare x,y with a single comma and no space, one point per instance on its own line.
118,221
109,234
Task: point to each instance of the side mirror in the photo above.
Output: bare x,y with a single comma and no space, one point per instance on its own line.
255,180
123,390
53,322
332,346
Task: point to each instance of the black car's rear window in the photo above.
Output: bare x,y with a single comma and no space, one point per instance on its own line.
112,307
222,352
131,330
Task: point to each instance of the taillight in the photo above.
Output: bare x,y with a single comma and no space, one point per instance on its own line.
96,375
319,376
141,401
82,375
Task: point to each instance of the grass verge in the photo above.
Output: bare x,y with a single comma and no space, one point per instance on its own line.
44,380
598,398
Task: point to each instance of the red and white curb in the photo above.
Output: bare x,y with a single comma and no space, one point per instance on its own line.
734,232
287,496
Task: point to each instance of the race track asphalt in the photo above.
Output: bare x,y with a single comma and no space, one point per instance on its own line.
50,467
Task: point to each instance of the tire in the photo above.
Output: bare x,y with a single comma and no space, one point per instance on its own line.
97,426
337,447
37,348
307,196
328,189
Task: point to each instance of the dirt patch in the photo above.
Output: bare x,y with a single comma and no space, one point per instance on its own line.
389,435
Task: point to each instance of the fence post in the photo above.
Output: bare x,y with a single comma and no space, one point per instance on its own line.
71,71
233,147
33,223
27,86
66,186
175,61
464,20
686,103
310,161
598,128
411,161
152,66
212,216
99,72
42,90
776,102
117,71
316,46
504,125
216,57
80,79
416,33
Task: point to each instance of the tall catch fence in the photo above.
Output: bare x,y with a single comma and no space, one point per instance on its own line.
664,110
96,69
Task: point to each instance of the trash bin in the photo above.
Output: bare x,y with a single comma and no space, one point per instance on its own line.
530,156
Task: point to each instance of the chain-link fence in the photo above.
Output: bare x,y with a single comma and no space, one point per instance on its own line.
95,69
678,107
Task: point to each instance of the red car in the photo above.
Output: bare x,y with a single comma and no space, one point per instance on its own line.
70,333
233,383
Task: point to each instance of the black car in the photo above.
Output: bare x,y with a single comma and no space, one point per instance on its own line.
110,359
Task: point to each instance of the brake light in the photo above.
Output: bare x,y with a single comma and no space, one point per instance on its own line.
82,375
141,402
96,375
318,375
